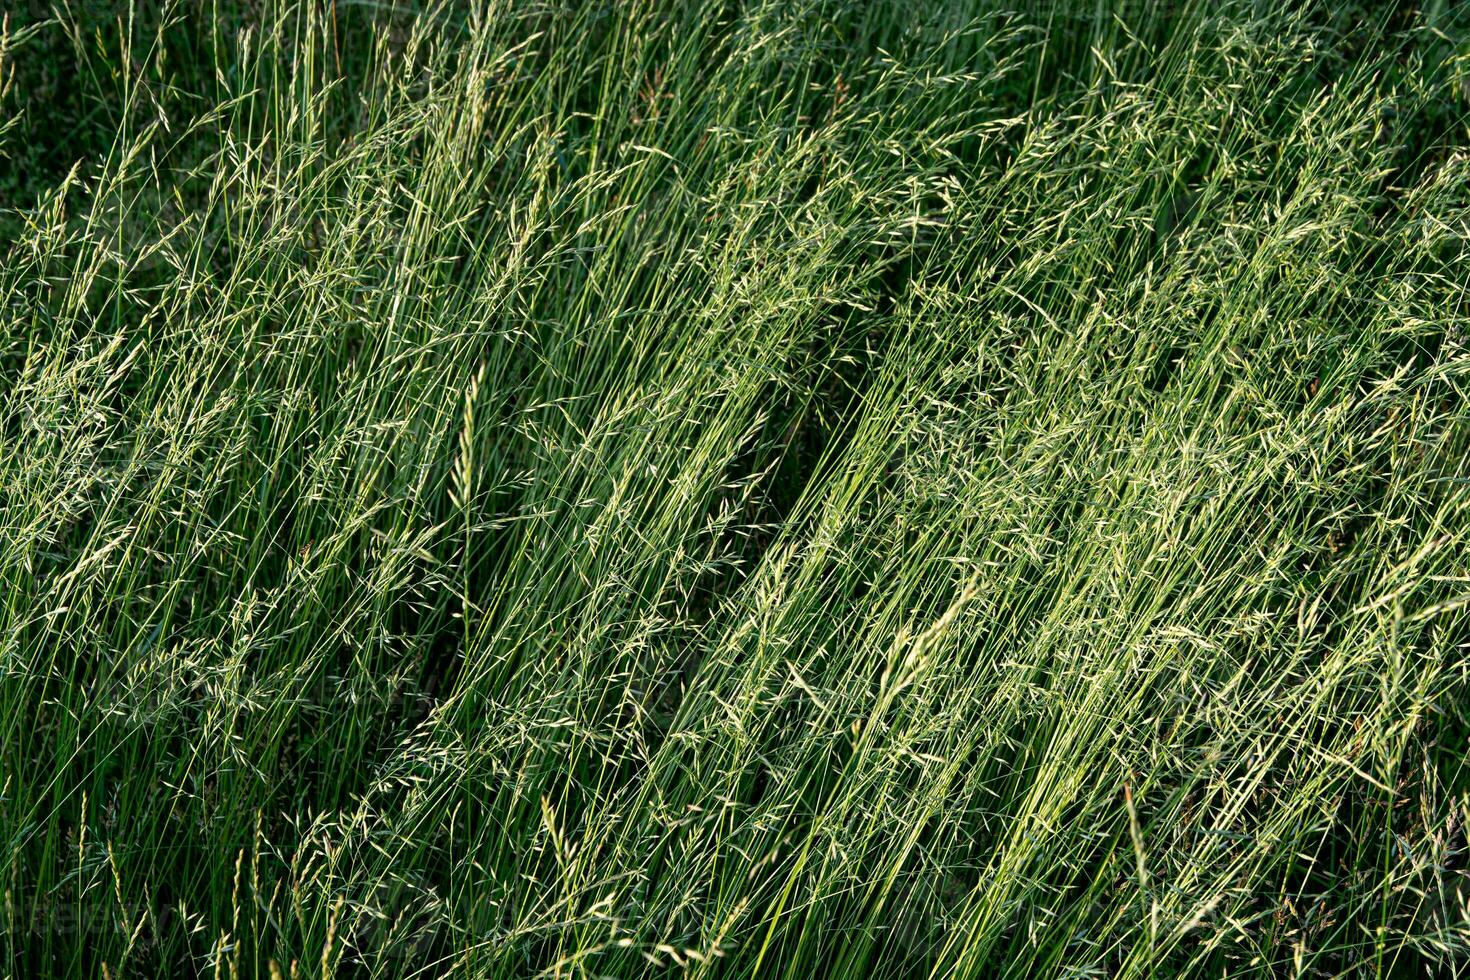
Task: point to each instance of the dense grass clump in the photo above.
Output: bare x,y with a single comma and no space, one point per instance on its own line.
788,488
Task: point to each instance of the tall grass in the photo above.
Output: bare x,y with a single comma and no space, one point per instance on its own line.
793,488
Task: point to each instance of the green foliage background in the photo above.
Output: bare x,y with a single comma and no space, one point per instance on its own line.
787,488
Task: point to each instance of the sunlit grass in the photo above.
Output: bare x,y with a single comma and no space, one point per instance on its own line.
785,489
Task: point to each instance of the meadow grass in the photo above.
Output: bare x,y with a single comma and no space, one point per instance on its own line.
788,488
